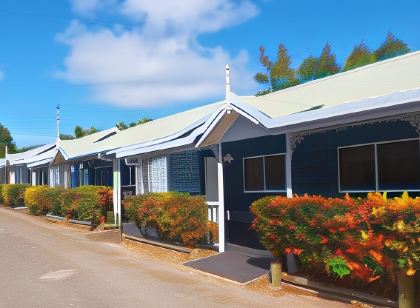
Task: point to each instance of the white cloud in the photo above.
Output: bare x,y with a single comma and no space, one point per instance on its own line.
2,75
159,62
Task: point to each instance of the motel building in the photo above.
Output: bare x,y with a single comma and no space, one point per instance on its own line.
353,132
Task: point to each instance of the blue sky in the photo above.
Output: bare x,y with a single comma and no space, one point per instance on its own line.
110,60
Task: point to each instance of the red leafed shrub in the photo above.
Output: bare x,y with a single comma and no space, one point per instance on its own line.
364,239
175,217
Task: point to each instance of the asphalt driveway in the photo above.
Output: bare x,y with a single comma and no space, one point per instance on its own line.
46,265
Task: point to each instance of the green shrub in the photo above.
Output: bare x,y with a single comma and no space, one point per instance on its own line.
88,207
176,217
13,194
83,203
1,194
41,200
86,203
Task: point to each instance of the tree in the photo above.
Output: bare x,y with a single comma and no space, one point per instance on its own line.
391,47
81,132
144,120
281,74
66,137
6,139
308,70
121,125
24,149
318,67
327,63
264,78
360,56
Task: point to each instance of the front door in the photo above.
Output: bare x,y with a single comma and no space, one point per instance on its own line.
212,189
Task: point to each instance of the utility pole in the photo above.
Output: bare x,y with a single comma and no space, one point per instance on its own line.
5,163
58,121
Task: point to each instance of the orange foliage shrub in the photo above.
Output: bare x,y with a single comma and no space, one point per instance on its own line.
363,238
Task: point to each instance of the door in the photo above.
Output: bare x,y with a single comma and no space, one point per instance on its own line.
212,188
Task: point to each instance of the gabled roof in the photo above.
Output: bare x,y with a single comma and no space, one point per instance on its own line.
401,102
160,130
380,78
20,158
41,159
88,145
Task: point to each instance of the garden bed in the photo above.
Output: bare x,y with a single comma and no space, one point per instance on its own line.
171,218
364,243
326,286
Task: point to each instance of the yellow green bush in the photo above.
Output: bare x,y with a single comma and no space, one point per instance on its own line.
41,200
1,194
84,203
13,194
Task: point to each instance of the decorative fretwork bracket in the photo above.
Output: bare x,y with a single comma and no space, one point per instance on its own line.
412,118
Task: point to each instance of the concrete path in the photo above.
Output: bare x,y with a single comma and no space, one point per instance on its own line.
47,265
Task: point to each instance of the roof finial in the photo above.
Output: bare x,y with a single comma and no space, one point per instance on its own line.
227,81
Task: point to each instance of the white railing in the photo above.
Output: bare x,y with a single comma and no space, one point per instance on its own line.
212,210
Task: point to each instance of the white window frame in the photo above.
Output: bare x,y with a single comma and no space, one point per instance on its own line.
264,190
132,180
375,144
146,160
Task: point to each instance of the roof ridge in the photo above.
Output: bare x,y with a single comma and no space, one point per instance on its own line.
174,114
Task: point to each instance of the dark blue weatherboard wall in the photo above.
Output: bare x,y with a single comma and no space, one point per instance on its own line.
237,202
315,161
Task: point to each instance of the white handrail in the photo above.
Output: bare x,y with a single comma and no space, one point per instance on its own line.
212,209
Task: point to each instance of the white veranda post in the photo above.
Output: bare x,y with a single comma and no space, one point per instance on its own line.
116,190
221,201
288,167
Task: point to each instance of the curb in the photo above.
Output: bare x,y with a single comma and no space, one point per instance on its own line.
338,292
156,243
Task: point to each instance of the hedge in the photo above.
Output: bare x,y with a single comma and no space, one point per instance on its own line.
1,194
41,200
176,217
364,239
13,194
84,203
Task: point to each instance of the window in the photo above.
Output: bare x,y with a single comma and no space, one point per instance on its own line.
155,174
265,173
128,175
399,165
103,176
357,168
385,166
83,177
254,174
18,175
